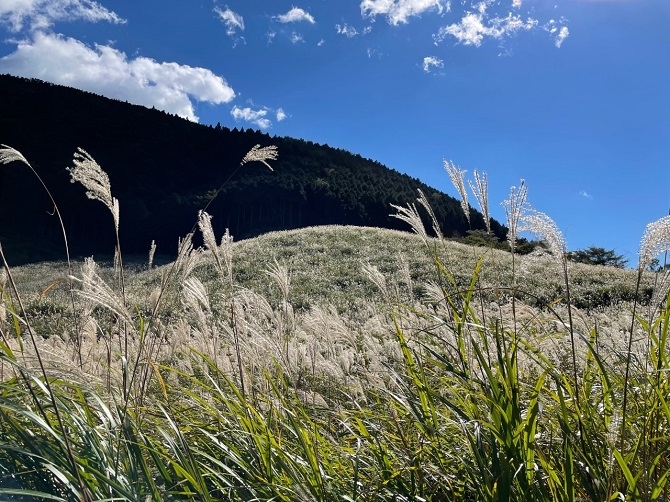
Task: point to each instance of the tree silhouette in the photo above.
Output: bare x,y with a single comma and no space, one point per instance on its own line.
598,256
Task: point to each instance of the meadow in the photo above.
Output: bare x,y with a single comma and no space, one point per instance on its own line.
335,363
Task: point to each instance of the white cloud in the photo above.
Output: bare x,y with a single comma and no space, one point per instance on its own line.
586,195
232,20
281,115
296,38
517,3
321,42
373,53
257,117
430,62
367,30
559,34
107,71
270,35
398,11
295,15
346,30
41,14
475,26
563,33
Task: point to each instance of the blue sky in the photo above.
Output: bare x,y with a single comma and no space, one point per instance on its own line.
570,95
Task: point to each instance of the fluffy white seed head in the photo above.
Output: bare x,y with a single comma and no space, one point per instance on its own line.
376,277
226,250
456,177
282,278
195,293
514,207
661,289
411,216
205,226
152,252
9,154
424,202
480,189
262,155
96,290
655,240
187,257
89,173
543,227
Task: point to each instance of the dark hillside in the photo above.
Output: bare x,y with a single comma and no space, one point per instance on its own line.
163,169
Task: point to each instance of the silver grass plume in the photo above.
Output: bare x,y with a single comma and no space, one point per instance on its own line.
195,293
376,277
9,154
208,238
280,275
514,207
411,216
424,202
655,240
152,252
89,173
205,226
456,177
261,154
661,289
480,189
96,290
226,248
541,225
403,265
187,257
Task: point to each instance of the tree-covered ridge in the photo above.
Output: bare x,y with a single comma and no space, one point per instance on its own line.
163,169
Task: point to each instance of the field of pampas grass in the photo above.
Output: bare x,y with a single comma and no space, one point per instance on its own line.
335,363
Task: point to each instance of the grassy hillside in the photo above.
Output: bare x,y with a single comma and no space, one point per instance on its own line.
327,268
330,363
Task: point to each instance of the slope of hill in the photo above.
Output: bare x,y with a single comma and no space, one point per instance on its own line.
344,340
163,169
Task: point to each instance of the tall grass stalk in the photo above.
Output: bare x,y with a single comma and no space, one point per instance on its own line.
9,154
45,383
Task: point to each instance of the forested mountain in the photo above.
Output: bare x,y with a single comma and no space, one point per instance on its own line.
163,169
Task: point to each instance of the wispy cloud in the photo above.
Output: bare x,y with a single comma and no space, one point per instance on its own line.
586,195
399,11
517,3
563,33
346,30
42,14
104,70
296,37
475,26
373,53
431,62
256,117
233,22
295,15
321,42
557,30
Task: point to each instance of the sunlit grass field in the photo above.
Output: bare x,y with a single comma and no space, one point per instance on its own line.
335,363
